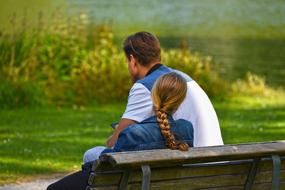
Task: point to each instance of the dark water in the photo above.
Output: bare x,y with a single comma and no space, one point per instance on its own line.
235,57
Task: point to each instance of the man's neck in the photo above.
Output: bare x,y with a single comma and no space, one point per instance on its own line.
153,68
146,69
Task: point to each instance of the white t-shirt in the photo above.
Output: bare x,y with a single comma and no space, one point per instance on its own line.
196,108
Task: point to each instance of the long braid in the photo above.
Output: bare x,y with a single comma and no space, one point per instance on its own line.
167,94
167,134
165,130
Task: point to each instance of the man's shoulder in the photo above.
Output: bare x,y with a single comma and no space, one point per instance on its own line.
149,80
139,88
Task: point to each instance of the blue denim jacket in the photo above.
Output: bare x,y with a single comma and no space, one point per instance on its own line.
146,135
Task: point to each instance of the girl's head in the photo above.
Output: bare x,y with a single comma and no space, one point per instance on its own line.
168,93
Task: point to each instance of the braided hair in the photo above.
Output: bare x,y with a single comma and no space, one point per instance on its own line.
167,94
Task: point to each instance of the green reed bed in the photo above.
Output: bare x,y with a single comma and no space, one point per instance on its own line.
69,61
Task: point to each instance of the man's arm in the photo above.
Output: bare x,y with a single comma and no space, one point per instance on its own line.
138,108
122,124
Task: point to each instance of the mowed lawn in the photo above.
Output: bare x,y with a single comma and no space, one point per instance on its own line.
44,141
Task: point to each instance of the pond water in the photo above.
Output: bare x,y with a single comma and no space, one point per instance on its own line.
241,35
235,57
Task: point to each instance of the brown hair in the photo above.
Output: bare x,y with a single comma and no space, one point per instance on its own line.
144,46
167,94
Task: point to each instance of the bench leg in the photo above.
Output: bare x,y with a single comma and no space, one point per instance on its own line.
276,172
252,173
124,180
146,177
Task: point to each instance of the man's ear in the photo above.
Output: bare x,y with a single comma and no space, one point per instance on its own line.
133,60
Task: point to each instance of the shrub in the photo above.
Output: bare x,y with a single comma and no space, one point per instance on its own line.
252,85
19,94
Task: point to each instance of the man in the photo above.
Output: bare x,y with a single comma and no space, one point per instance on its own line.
142,52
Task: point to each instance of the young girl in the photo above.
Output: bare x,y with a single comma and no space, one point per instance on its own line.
160,130
156,132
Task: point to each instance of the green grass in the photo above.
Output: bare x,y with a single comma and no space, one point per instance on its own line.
252,119
50,140
44,141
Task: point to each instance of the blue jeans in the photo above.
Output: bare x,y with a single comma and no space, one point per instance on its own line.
93,154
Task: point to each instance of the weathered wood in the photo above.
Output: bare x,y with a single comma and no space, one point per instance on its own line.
267,186
195,169
266,177
195,155
174,172
212,182
191,171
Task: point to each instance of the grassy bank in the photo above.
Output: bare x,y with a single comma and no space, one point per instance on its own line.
43,141
252,119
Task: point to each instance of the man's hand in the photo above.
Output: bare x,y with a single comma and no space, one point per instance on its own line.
122,124
109,143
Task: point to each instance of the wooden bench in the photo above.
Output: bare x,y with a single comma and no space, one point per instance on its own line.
228,167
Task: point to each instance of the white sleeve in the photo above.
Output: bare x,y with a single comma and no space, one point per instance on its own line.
139,105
